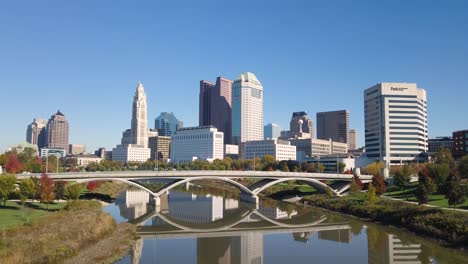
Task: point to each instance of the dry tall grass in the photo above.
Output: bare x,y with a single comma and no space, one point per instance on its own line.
57,236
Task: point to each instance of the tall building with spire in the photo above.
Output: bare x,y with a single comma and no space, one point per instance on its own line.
139,118
247,108
57,131
134,143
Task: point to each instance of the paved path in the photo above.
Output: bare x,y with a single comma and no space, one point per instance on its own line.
427,205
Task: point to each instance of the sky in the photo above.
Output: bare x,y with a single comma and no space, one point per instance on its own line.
86,58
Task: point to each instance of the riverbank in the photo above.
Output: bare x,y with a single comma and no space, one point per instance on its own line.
446,227
70,234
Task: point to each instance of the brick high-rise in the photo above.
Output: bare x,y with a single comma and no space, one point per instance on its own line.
215,106
57,132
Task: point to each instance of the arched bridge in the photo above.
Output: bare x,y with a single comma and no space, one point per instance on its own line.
248,193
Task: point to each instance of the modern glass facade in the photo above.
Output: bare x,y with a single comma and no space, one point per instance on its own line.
167,124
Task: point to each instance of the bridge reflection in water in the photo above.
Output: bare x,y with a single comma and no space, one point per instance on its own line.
229,231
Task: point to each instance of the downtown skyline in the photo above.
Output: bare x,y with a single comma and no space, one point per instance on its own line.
304,64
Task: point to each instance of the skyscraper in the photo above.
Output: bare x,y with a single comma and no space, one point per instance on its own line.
167,124
134,143
57,131
247,108
139,118
352,139
36,133
301,126
272,131
215,106
395,123
334,125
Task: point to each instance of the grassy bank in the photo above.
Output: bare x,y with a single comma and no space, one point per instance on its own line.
434,199
16,214
448,227
64,234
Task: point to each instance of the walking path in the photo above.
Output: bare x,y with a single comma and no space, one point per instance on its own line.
428,205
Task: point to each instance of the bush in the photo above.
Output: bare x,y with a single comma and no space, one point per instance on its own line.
449,226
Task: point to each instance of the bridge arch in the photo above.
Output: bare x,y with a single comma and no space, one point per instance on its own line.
176,183
126,181
258,188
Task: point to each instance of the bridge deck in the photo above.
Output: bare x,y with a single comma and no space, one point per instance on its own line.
135,175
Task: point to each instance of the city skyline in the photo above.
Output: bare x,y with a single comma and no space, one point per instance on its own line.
307,71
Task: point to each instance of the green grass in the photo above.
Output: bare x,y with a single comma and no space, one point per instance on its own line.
15,214
434,199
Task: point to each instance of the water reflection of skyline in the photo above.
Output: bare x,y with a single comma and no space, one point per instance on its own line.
244,243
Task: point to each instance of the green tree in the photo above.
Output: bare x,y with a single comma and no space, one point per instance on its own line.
444,156
456,191
402,178
74,191
320,168
371,196
341,167
59,190
463,167
7,186
422,194
27,189
440,173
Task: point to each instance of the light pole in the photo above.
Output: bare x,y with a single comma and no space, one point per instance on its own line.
254,160
337,169
47,164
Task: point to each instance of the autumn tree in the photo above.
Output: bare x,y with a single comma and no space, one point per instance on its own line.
374,168
426,186
354,188
7,186
358,181
371,196
13,165
444,156
47,194
91,186
378,182
463,167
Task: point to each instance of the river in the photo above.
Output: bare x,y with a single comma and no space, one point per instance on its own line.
193,226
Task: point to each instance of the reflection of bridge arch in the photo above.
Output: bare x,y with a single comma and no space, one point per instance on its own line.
176,183
191,227
261,185
129,182
185,227
284,225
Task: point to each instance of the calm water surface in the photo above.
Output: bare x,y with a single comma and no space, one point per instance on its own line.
193,226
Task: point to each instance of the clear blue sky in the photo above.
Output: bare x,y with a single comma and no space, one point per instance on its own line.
85,58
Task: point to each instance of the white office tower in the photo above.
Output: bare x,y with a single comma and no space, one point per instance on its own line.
134,144
247,108
197,143
395,123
